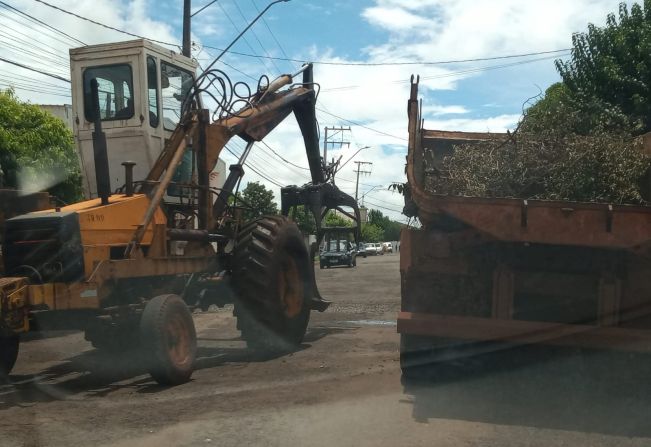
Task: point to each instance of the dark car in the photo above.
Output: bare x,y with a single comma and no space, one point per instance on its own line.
338,252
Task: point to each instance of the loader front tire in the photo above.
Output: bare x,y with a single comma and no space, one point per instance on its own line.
9,345
168,340
271,278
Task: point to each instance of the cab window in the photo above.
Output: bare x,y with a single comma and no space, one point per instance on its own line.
152,91
115,84
175,85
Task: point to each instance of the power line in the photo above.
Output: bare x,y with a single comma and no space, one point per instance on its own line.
396,63
34,70
103,25
283,158
202,8
361,125
264,21
41,22
258,56
383,207
228,16
278,70
448,74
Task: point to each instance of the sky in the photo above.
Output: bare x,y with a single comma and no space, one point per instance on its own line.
486,96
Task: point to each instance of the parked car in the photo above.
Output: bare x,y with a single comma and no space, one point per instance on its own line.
338,252
361,250
379,249
388,247
371,249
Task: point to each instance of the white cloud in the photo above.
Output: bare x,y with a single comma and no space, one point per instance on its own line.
393,18
373,96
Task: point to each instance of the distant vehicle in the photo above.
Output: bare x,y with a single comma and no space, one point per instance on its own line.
379,249
388,247
371,249
338,252
361,250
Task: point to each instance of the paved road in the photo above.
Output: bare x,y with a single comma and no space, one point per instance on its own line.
342,387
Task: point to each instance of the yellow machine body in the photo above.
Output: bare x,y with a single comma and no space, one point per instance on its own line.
105,231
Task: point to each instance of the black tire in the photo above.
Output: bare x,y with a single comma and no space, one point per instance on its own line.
168,340
9,346
272,280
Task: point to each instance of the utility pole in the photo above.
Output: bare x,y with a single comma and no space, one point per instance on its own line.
331,132
187,44
360,165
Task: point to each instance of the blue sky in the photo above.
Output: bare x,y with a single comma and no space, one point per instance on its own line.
357,31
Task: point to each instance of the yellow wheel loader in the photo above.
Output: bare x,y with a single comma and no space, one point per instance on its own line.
160,238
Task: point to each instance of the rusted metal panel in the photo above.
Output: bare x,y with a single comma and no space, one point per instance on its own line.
547,222
518,220
524,332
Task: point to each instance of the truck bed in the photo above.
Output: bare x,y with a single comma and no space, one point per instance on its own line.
519,271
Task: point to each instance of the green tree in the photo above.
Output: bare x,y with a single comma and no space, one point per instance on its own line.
390,229
37,151
606,81
336,220
304,219
259,199
372,233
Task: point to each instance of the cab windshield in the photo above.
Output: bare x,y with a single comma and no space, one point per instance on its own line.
175,85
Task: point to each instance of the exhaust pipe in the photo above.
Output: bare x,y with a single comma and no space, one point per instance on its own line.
100,153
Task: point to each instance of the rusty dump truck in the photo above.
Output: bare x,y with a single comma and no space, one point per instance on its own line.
483,273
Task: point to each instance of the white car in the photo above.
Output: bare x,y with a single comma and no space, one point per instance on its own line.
372,249
388,247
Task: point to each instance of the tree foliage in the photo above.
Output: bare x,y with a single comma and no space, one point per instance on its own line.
333,219
304,219
607,80
258,200
372,233
37,151
577,142
390,229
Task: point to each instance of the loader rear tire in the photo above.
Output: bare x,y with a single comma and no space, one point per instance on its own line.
168,339
271,278
8,353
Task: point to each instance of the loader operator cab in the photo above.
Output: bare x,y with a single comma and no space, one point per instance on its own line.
141,90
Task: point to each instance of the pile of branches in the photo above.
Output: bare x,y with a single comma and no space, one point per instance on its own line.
545,166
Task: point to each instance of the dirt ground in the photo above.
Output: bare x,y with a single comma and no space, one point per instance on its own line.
343,387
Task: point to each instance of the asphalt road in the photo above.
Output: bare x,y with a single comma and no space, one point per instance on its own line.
343,387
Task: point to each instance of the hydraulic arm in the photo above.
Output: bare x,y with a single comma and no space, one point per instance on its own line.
252,118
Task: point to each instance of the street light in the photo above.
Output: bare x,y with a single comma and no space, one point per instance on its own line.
373,188
353,156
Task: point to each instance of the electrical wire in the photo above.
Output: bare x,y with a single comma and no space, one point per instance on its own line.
397,63
320,62
34,19
244,39
383,207
18,64
282,50
278,70
354,123
449,74
283,158
104,25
